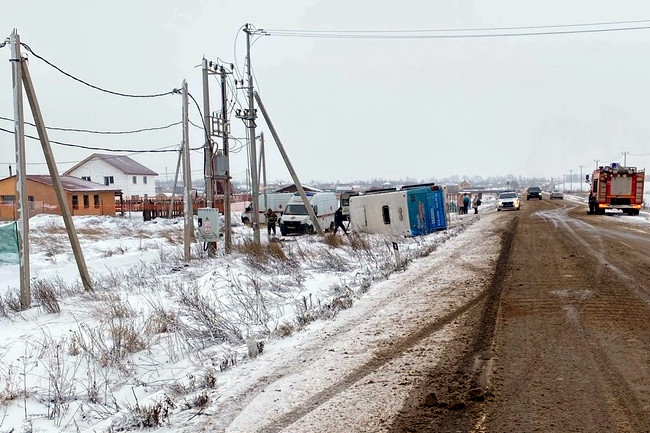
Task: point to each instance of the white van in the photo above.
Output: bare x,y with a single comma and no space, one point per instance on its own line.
275,200
295,218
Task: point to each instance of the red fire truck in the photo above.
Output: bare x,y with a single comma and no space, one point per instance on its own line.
616,187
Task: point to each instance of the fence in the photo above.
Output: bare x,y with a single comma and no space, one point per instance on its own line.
9,243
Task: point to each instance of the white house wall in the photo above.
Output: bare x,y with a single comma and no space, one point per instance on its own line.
97,169
366,213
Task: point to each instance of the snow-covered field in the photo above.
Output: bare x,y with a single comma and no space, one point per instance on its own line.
160,341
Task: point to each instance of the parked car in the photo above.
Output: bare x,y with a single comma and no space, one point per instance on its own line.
508,200
556,193
534,192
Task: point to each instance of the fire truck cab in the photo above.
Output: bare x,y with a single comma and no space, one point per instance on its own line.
616,187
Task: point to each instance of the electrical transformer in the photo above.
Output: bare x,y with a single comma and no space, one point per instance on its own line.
208,224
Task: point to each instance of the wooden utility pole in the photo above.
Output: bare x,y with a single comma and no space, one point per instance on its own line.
187,178
208,150
21,173
252,147
294,176
56,181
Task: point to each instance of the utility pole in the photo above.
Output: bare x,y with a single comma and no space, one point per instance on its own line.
571,180
250,117
625,154
21,180
54,175
581,177
208,150
187,178
225,130
596,161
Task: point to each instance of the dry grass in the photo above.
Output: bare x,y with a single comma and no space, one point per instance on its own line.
359,242
91,232
332,240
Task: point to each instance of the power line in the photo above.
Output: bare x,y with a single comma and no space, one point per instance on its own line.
90,131
470,29
80,146
128,95
382,35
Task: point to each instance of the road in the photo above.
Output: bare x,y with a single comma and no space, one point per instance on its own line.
531,320
563,343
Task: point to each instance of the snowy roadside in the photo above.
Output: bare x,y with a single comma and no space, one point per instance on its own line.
328,378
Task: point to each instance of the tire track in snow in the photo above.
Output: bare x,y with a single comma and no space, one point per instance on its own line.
383,357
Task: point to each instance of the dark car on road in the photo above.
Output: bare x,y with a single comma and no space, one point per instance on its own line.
534,192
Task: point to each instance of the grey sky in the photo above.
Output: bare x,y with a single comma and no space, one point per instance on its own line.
347,109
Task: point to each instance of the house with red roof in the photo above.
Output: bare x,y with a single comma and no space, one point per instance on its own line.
83,197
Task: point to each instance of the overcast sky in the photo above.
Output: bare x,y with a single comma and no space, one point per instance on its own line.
347,109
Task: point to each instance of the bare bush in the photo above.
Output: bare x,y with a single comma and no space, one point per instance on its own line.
229,360
246,301
61,378
148,416
206,315
12,301
45,294
3,308
161,321
328,259
118,335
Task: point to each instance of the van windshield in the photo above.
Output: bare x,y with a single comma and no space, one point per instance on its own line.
295,209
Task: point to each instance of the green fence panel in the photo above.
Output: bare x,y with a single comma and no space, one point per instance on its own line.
9,243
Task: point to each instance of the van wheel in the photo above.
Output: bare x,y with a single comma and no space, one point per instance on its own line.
310,230
246,221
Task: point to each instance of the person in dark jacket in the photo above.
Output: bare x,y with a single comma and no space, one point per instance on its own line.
338,220
271,219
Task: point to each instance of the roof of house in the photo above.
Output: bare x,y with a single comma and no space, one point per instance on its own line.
71,183
294,188
121,162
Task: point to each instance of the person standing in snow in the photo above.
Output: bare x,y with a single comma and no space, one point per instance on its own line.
466,201
476,202
271,219
338,220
